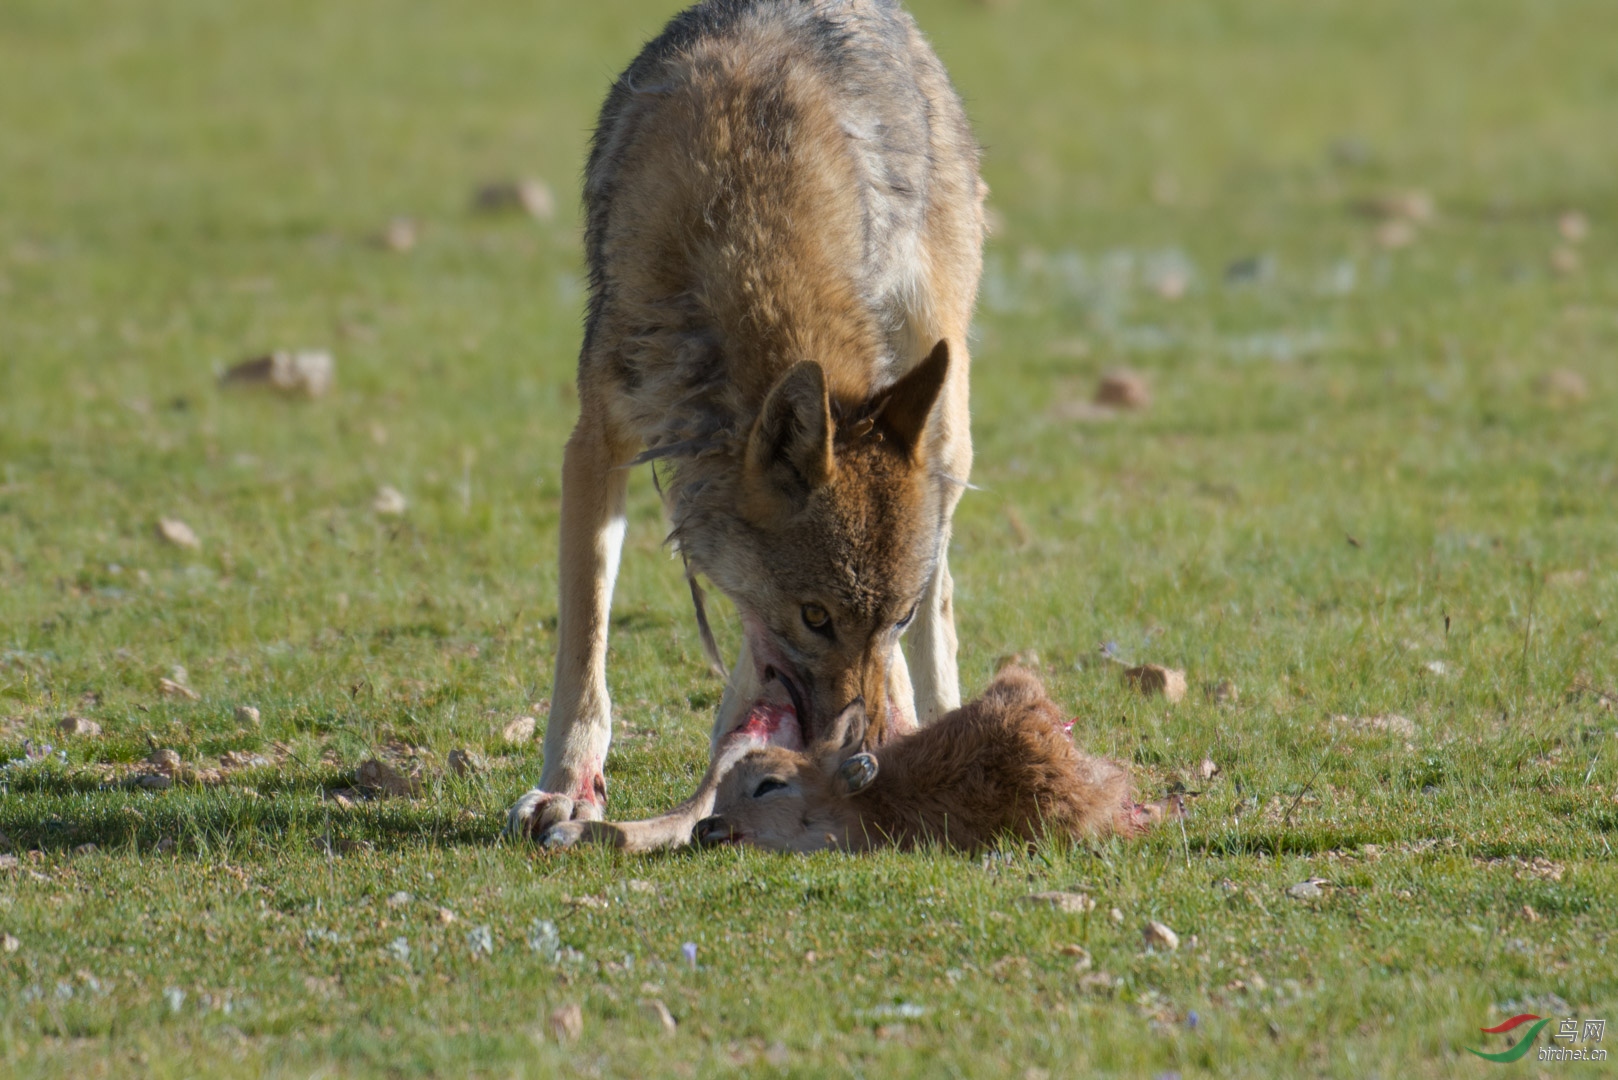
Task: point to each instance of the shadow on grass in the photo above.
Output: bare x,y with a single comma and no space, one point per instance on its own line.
39,781
204,819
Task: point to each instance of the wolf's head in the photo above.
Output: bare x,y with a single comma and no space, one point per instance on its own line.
827,535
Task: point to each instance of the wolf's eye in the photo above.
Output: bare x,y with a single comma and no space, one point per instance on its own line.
816,618
768,785
911,614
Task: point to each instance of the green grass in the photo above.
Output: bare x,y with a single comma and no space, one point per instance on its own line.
183,184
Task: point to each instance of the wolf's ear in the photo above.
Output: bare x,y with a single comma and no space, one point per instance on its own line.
794,429
910,401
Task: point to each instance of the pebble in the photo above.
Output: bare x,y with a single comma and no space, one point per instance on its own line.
178,533
1154,679
566,1022
1158,936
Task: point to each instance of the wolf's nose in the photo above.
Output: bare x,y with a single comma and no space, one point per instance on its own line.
713,830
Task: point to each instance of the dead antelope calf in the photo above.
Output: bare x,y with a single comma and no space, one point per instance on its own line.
1002,765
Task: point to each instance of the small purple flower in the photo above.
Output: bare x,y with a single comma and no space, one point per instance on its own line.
689,950
1192,1020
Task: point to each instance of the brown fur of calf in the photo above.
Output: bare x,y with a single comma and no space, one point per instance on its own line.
1002,765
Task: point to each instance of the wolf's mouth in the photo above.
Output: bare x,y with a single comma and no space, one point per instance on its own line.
792,690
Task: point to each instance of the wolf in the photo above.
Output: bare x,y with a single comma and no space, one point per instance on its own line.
783,230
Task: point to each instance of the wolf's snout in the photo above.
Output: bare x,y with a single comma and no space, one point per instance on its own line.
714,830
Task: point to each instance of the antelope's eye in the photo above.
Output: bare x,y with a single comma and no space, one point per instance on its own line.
768,785
904,622
816,618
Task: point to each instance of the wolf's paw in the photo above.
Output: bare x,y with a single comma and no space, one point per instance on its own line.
537,811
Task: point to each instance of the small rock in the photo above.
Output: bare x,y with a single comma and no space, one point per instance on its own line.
1171,284
566,1023
1098,982
178,533
445,916
1395,234
1208,769
1308,890
9,943
1153,679
309,373
1565,261
171,688
1074,903
1223,692
78,725
1573,226
1414,207
1530,914
1123,390
247,714
399,235
659,1014
399,899
1437,667
374,775
520,730
1159,936
9,862
1080,956
1115,915
389,502
154,782
532,197
1563,385
165,759
1390,724
465,763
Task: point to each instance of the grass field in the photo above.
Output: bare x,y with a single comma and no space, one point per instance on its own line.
1378,479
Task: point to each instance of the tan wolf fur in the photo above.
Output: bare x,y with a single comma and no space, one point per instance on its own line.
1002,766
783,228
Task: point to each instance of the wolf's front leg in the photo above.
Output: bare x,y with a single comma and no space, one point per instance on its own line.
573,785
932,640
674,828
933,648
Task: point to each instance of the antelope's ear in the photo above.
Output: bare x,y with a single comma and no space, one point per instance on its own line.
846,733
856,774
790,445
910,401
